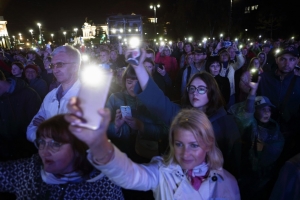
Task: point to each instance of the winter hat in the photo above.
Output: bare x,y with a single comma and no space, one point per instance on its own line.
34,67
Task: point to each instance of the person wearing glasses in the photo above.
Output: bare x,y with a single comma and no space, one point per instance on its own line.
60,170
65,65
192,169
202,93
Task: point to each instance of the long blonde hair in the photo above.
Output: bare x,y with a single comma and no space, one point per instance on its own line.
197,122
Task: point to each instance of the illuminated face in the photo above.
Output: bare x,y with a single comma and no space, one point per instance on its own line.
104,57
188,152
16,71
256,63
68,72
30,74
187,48
214,68
31,56
130,84
261,58
263,114
60,162
286,63
149,67
198,100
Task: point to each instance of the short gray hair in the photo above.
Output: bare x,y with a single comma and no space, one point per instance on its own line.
72,52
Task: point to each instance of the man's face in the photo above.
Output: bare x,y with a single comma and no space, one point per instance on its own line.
266,49
180,45
30,74
104,57
113,55
286,63
198,57
68,72
150,55
31,56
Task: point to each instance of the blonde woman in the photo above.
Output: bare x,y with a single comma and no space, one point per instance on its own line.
191,170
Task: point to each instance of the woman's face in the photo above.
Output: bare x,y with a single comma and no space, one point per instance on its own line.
188,152
57,162
214,68
198,100
149,67
16,71
130,84
255,63
187,48
167,52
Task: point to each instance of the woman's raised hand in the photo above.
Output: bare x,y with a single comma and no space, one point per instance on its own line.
88,136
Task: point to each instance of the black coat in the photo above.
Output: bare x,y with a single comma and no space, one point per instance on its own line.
224,87
16,111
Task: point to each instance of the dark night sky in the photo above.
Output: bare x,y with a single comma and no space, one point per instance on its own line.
23,15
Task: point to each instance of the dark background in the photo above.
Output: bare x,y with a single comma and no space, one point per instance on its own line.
186,17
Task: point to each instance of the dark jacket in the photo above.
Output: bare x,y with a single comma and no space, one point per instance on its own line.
16,111
224,87
154,128
40,86
226,131
272,87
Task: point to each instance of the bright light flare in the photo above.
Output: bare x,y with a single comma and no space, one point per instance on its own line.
85,57
92,76
134,42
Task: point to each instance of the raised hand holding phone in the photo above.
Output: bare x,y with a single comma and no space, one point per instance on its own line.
95,84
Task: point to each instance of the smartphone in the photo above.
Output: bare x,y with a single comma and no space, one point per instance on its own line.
95,84
126,111
254,74
135,53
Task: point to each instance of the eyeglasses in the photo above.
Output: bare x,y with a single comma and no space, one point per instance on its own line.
58,65
191,89
54,146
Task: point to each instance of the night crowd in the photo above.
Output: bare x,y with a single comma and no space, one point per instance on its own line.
211,121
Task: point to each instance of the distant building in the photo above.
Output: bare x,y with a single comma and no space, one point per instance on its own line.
4,38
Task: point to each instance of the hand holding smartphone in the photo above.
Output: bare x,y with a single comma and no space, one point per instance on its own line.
126,111
254,75
95,84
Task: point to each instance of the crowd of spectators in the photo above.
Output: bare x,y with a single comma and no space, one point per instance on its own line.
255,123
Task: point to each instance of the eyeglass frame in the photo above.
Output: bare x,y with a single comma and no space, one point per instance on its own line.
55,65
49,144
196,89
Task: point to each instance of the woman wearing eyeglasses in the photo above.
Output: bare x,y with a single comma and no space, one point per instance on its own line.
59,171
202,92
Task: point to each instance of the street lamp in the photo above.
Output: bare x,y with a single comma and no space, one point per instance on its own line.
76,29
155,20
52,36
65,35
31,35
39,25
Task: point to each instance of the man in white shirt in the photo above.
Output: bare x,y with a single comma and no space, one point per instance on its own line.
65,64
